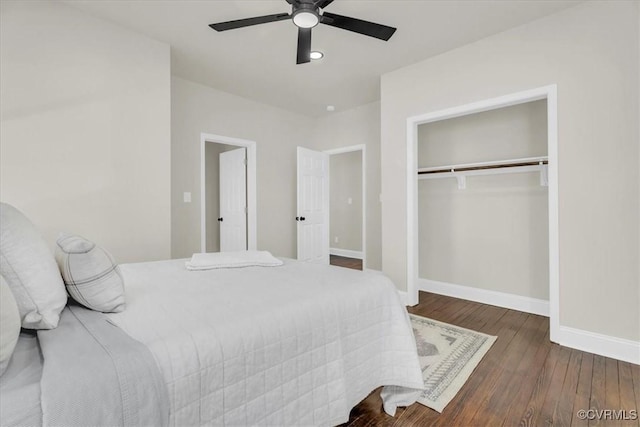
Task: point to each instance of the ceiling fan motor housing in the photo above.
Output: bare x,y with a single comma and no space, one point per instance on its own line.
305,15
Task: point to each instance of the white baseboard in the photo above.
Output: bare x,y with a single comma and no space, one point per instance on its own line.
346,253
603,345
500,299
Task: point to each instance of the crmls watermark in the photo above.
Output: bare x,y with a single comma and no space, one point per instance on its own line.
607,414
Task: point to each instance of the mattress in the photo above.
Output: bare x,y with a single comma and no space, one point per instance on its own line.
299,344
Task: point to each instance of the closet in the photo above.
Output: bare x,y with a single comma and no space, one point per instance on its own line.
483,202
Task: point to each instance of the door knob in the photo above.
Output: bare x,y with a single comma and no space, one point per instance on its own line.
302,218
220,219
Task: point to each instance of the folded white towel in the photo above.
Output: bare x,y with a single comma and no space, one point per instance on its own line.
207,261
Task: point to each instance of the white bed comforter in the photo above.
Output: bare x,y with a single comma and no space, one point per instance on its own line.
294,345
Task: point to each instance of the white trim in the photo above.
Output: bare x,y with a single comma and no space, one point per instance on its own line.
485,296
604,345
546,92
346,253
343,150
363,149
252,216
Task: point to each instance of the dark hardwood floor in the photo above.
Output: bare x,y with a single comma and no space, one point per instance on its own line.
524,380
341,261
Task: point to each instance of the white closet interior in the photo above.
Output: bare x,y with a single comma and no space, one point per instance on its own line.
483,201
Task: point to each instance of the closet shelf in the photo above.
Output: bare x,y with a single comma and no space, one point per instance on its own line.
461,171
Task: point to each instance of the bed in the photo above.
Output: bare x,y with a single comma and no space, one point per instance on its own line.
298,344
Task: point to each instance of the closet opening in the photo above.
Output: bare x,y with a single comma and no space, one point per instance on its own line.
483,201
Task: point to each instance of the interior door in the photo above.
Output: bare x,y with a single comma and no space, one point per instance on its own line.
233,200
313,206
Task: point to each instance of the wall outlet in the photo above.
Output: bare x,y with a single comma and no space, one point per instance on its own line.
335,239
186,197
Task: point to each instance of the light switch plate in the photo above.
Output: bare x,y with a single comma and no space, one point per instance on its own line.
186,196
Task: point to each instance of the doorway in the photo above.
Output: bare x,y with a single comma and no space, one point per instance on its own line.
346,209
316,241
228,194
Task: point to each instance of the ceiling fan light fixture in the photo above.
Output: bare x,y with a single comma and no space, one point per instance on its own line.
316,54
305,18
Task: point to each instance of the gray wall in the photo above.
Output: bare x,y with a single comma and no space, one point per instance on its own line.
493,234
591,53
346,218
85,130
195,109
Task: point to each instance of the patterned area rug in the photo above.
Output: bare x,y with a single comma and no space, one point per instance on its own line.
448,355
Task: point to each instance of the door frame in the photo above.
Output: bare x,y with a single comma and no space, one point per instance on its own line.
550,93
363,149
252,218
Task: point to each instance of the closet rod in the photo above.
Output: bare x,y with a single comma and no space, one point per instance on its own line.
482,167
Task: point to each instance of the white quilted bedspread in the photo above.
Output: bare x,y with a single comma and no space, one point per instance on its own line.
295,345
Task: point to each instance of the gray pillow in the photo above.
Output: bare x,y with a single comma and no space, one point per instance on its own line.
91,275
9,324
30,270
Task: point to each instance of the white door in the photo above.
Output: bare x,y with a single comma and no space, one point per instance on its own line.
233,200
313,206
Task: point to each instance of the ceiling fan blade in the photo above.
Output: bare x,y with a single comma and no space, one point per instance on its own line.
367,28
239,23
304,45
322,3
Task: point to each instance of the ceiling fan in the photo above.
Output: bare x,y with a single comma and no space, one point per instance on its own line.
305,14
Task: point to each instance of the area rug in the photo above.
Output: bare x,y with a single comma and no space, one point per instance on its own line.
448,355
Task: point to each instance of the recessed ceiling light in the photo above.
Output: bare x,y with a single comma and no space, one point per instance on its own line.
316,54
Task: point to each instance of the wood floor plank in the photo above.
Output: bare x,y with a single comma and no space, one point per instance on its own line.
523,381
552,397
612,390
583,391
635,375
341,261
563,413
515,366
627,400
430,302
597,400
539,392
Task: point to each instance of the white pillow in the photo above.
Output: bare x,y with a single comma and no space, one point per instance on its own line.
91,275
30,270
9,324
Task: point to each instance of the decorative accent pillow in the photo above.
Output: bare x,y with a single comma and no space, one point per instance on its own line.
30,270
9,324
91,275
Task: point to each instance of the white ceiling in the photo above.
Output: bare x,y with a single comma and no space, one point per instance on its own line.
259,62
